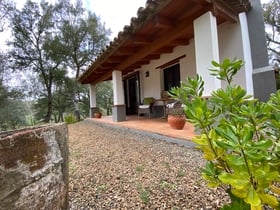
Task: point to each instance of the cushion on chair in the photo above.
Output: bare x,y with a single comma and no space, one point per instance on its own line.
144,106
148,100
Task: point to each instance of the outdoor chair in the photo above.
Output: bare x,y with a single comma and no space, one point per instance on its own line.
146,107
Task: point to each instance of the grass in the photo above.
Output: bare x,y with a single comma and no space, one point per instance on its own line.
143,193
166,164
77,154
145,196
181,172
140,168
72,168
102,187
165,184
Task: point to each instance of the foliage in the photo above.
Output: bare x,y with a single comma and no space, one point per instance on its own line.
70,118
12,110
176,111
6,7
104,96
54,43
143,193
35,47
239,138
83,37
272,20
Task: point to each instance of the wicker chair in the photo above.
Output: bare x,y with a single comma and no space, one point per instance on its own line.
146,107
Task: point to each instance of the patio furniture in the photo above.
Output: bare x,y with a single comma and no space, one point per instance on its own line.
146,107
173,105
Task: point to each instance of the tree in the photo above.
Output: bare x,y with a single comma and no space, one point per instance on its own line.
52,43
6,7
83,36
63,98
36,46
12,109
104,93
272,20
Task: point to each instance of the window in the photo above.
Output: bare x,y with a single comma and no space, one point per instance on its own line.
171,77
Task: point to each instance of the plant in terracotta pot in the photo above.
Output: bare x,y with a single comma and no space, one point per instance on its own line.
176,117
98,114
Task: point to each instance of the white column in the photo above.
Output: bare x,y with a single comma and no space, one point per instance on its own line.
118,88
206,50
248,67
92,95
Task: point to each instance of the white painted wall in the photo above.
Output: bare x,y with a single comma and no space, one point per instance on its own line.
206,49
230,42
118,90
187,64
92,94
230,46
153,85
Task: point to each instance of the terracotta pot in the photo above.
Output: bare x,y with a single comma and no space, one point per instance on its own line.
97,115
176,121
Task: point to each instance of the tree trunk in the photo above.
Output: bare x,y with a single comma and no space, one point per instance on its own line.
76,105
49,112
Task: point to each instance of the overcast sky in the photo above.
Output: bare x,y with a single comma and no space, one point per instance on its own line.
114,13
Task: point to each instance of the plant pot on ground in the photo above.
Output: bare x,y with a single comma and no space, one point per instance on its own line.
176,118
97,114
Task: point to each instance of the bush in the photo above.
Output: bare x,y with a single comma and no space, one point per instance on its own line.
70,118
239,137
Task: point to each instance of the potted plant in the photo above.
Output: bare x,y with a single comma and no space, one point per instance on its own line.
97,113
176,118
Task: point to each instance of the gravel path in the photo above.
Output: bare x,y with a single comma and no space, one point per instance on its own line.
115,169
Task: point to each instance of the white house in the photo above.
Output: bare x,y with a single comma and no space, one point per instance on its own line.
172,39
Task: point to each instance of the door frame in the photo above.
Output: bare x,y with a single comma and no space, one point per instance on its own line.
126,79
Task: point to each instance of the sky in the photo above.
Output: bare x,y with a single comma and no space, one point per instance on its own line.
115,14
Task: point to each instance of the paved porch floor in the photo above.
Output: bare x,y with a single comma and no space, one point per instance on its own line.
154,125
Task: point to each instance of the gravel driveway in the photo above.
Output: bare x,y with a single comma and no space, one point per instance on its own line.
116,169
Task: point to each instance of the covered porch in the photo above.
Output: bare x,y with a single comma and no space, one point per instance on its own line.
154,126
172,39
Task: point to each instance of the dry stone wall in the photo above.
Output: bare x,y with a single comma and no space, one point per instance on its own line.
34,168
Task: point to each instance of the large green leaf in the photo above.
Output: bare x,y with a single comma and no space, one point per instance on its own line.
237,181
255,155
270,200
265,144
226,145
228,134
252,198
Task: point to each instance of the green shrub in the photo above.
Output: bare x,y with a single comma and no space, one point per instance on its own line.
70,118
239,137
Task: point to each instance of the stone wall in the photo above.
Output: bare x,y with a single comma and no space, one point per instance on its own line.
34,168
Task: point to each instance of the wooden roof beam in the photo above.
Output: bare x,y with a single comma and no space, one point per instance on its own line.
141,40
153,56
221,9
157,44
107,65
162,22
165,50
114,59
202,2
181,41
125,51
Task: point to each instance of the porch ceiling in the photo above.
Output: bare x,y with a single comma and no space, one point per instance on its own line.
158,28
